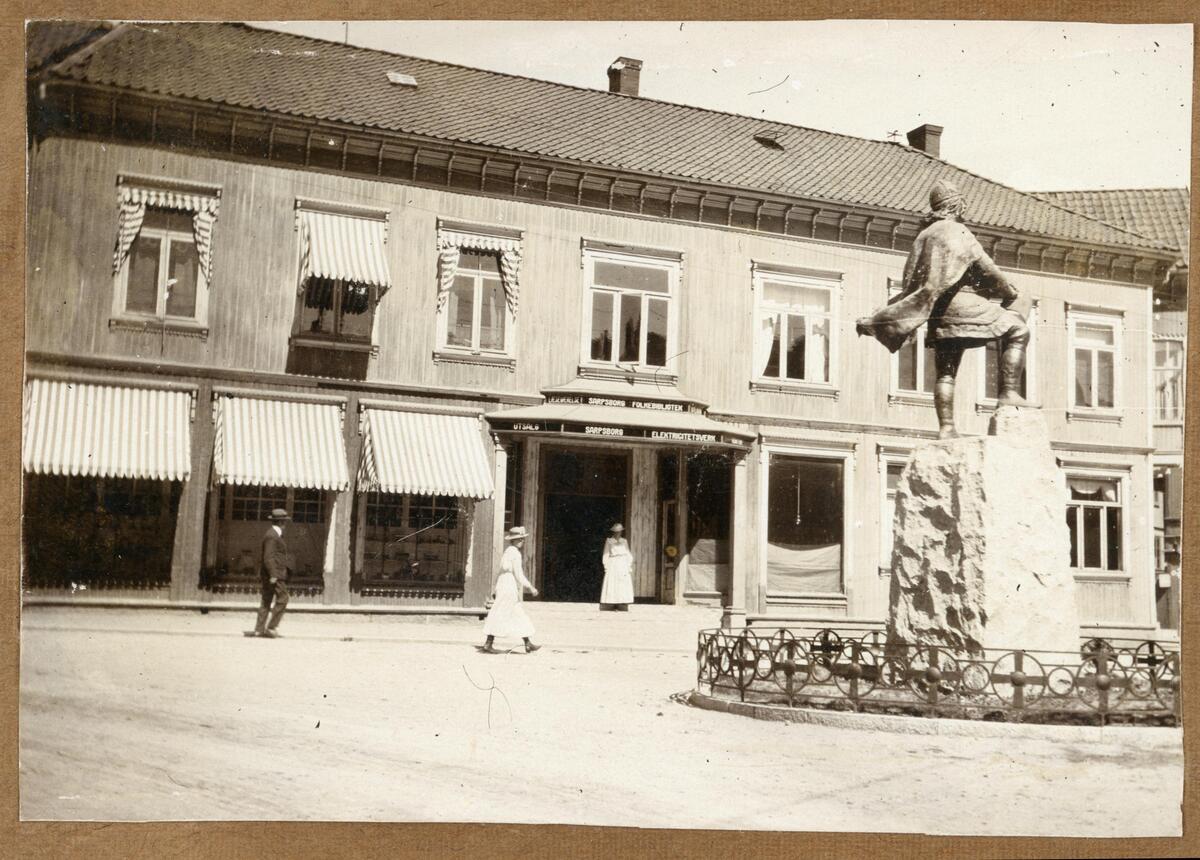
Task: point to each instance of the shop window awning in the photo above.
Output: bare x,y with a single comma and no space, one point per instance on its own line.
279,443
425,454
343,248
107,431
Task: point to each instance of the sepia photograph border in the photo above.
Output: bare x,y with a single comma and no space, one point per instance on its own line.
494,841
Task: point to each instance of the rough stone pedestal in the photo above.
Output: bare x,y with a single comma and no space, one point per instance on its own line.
981,556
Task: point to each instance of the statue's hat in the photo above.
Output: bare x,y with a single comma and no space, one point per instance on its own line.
944,192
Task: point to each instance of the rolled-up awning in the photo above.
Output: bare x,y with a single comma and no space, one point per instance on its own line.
344,248
107,431
279,443
425,454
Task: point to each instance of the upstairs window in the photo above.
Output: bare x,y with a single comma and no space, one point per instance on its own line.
794,331
1095,351
478,292
343,273
914,370
1168,379
990,385
630,309
163,258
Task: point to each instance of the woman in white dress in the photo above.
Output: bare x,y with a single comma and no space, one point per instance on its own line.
507,617
617,590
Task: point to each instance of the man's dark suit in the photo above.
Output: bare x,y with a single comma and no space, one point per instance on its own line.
273,567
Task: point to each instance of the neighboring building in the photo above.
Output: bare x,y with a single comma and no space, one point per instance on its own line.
1162,214
417,303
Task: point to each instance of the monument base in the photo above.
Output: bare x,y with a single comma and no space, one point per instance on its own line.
981,556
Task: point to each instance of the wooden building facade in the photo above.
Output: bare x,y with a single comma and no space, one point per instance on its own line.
414,359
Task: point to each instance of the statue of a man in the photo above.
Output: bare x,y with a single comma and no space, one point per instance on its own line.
953,285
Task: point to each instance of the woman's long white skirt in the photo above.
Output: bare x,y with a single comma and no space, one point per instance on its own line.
618,581
507,616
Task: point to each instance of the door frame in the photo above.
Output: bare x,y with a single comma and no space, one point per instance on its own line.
543,462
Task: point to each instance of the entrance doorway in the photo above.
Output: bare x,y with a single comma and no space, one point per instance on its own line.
586,491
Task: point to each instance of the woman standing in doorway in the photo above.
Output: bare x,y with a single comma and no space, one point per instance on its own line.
617,590
507,617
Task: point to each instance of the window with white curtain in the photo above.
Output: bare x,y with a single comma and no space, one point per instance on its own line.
1095,359
913,368
794,327
476,315
1168,379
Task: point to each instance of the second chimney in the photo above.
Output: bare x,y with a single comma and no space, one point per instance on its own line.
927,138
624,75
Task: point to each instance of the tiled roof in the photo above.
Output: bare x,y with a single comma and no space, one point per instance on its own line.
1158,213
49,41
239,65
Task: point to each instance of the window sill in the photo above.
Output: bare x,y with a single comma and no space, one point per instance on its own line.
819,598
1101,417
333,343
982,407
813,389
1173,422
182,328
1101,575
479,358
653,375
910,398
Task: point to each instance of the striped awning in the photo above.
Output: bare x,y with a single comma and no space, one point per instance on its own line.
424,453
107,431
343,248
279,443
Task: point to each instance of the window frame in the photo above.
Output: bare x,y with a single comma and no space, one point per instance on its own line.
166,236
844,454
335,339
1031,390
406,507
1121,477
444,349
1182,400
264,501
1113,319
887,507
830,282
673,265
896,394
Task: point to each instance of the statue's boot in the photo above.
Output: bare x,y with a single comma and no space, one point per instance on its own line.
943,404
1012,363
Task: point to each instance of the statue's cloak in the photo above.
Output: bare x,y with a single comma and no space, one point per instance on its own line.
951,283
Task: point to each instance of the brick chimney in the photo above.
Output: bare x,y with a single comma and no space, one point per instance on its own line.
624,75
927,138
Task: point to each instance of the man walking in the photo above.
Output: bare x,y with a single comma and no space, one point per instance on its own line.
273,568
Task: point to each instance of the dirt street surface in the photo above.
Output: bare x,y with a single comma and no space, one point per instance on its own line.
160,714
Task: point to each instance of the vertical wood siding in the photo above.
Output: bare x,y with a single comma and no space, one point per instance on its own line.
72,228
73,210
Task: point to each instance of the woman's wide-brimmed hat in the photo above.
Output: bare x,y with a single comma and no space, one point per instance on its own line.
279,514
617,528
516,533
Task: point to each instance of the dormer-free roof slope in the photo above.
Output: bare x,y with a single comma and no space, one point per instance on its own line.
242,66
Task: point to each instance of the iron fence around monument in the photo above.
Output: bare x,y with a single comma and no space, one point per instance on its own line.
1108,681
